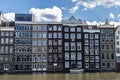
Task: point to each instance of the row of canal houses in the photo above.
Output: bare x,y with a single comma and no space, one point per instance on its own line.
68,46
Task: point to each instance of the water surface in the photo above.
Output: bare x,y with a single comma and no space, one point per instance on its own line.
60,76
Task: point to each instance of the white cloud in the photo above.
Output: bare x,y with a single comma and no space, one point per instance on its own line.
63,8
74,9
101,23
9,16
111,16
47,14
90,4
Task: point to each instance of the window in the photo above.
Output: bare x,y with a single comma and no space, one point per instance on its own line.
73,47
34,58
66,29
111,31
39,42
39,28
97,65
44,42
107,46
50,35
107,56
66,36
79,64
91,43
78,36
107,31
103,47
54,42
79,56
66,45
34,35
11,50
78,45
86,58
91,50
103,39
2,49
78,29
11,40
34,42
72,29
91,58
119,32
118,50
72,35
44,27
59,28
86,65
66,64
86,36
111,38
55,28
50,42
6,49
2,40
112,56
103,64
2,33
66,56
117,37
59,35
44,59
107,38
59,42
6,40
103,56
91,36
96,50
59,49
11,33
73,56
96,42
112,46
96,58
86,49
34,28
6,33
39,35
34,49
96,36
86,42
54,35
117,43
50,28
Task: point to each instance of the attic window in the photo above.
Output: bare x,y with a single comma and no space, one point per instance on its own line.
90,27
7,24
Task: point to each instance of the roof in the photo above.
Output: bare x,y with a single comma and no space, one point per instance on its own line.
107,25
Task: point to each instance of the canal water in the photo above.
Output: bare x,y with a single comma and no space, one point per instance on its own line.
64,76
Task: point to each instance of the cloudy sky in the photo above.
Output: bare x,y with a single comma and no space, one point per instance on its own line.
55,10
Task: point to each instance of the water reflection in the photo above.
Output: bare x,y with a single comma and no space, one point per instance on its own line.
81,76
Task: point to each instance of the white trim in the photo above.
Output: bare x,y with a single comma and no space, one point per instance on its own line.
91,31
7,28
34,23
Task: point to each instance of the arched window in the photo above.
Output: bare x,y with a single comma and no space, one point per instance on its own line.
112,56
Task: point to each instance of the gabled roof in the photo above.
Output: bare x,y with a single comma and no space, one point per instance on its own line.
107,25
72,18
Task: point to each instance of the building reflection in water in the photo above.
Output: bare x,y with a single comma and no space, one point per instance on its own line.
64,76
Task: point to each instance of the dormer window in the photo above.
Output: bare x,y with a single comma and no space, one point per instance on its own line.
90,27
7,24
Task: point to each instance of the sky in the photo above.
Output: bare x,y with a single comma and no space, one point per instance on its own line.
93,11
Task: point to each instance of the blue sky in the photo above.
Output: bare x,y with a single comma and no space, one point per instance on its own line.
89,10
